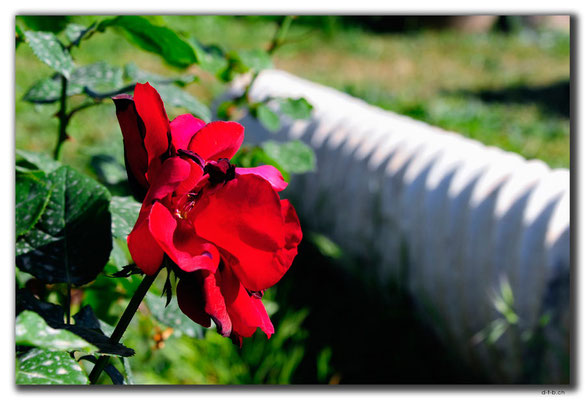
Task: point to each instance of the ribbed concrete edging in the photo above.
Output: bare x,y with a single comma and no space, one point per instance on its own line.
470,218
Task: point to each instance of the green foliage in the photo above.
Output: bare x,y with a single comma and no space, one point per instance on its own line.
94,77
250,60
210,58
172,316
32,330
266,116
38,161
294,156
47,90
326,246
50,23
46,367
124,215
253,156
19,35
323,367
215,360
179,98
99,76
74,32
132,72
504,302
49,50
32,197
67,223
71,241
159,40
296,108
52,314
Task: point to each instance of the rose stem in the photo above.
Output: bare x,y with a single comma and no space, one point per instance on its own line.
68,308
123,323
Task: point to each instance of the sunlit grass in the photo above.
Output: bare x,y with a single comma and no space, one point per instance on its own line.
436,77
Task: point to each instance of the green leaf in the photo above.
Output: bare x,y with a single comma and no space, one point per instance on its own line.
210,58
72,240
115,375
32,330
118,256
507,293
32,197
41,161
225,110
46,367
22,277
124,215
108,169
99,76
172,316
49,50
267,117
155,39
294,156
129,377
85,317
48,90
133,73
179,98
255,59
249,157
19,35
50,23
496,330
51,313
74,31
325,245
296,108
53,316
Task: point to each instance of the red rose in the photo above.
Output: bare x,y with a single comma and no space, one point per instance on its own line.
226,228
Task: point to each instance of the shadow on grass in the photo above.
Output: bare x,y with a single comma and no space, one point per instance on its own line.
551,99
374,334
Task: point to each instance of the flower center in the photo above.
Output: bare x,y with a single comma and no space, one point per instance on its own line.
220,171
186,203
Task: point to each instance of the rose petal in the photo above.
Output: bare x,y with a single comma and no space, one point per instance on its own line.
215,305
244,218
136,158
217,140
195,174
200,298
191,299
246,313
144,249
168,177
183,127
179,242
292,233
157,138
268,172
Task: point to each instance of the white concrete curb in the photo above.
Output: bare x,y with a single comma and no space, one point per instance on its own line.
470,216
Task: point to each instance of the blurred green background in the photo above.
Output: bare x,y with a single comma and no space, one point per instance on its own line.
506,85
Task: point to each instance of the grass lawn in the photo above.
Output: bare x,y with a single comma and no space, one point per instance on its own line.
506,90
